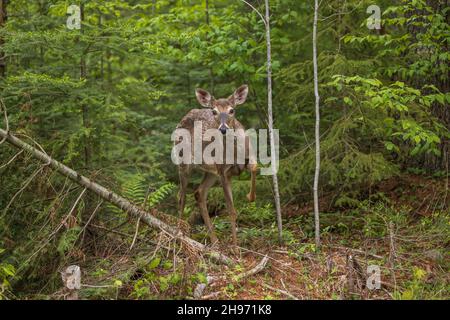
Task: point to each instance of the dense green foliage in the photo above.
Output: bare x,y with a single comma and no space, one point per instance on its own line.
105,99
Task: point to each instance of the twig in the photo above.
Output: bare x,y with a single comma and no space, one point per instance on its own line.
99,286
54,232
357,251
56,204
12,159
69,214
392,251
37,144
21,189
127,235
257,11
280,291
273,259
135,233
286,290
211,295
90,218
260,266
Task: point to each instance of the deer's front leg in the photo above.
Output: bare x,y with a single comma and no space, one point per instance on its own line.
201,195
251,196
226,184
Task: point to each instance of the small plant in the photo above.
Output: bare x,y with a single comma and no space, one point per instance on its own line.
250,213
7,272
306,248
416,286
159,278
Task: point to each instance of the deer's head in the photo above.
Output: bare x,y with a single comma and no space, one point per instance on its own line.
223,109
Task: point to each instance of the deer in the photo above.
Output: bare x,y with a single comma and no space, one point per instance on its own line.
216,114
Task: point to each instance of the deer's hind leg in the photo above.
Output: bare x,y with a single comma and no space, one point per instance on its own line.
226,184
251,196
201,195
184,172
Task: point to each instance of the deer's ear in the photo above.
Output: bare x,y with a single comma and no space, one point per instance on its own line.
240,95
204,97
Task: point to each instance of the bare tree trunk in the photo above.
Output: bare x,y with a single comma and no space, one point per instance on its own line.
102,54
114,198
317,129
84,107
211,74
85,115
272,138
3,18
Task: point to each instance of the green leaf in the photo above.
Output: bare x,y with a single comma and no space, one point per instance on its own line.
154,263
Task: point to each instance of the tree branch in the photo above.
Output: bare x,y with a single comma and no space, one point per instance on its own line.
256,10
115,199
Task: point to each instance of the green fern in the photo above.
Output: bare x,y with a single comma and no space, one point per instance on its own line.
160,194
138,191
135,188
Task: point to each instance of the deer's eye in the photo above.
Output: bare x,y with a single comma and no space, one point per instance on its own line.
215,112
231,111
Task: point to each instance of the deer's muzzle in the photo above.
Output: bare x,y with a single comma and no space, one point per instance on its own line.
223,117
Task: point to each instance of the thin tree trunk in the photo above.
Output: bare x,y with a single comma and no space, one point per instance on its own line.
85,117
317,129
211,74
43,13
102,55
114,198
3,18
189,93
272,138
84,107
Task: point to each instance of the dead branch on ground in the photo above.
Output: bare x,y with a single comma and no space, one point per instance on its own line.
115,199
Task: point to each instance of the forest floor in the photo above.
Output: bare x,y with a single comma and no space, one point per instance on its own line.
406,236
403,231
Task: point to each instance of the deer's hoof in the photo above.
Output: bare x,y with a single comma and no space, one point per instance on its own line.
251,197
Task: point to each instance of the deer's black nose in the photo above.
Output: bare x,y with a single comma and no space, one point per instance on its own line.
223,130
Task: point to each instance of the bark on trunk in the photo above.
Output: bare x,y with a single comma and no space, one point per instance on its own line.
114,198
269,111
211,73
317,129
84,107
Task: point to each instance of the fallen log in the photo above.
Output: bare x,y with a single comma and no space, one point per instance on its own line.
114,198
